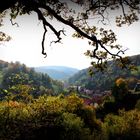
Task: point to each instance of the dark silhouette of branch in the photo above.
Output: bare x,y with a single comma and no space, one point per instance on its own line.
13,23
43,41
45,23
91,38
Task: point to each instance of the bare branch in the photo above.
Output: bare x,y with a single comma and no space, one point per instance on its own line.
58,41
45,23
13,23
43,41
122,8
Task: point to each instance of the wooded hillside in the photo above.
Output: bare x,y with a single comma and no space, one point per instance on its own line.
104,80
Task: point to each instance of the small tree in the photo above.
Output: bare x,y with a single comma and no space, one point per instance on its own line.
120,89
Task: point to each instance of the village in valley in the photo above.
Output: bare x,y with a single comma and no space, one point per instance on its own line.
96,97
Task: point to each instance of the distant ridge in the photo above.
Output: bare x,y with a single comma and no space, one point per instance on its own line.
57,72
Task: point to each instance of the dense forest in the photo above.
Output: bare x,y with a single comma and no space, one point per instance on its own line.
104,80
17,78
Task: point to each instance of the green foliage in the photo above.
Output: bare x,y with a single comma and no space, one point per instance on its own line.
115,125
124,126
120,89
73,127
63,117
104,80
74,103
21,93
136,72
15,75
43,116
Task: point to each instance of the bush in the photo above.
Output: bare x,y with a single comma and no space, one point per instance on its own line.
120,89
48,118
73,127
126,125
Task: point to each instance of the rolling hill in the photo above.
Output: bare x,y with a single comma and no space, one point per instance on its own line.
16,75
57,72
104,81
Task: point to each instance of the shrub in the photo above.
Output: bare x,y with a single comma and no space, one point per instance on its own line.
120,89
137,106
48,118
126,125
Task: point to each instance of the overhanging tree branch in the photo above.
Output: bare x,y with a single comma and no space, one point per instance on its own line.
45,23
43,40
56,9
66,22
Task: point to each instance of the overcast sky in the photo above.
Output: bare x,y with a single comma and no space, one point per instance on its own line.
25,45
